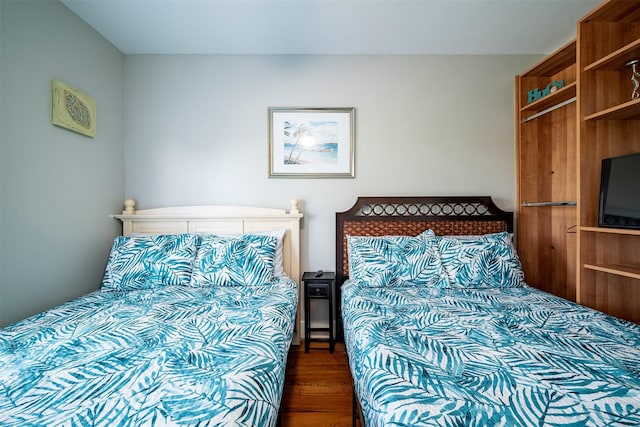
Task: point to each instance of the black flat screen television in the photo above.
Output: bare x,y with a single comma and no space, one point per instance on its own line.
620,192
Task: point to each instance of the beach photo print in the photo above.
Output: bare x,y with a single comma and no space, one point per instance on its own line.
311,142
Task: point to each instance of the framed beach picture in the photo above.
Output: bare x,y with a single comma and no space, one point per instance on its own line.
311,142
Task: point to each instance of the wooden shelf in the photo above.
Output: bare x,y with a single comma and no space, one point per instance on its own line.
557,61
631,271
555,98
608,230
618,59
614,11
628,110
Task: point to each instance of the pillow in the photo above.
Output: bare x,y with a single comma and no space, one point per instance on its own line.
246,259
142,262
278,270
278,234
480,261
394,261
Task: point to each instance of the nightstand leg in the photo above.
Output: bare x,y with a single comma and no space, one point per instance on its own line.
307,324
331,340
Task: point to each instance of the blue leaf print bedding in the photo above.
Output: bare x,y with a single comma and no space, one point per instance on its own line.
149,261
488,357
234,260
170,355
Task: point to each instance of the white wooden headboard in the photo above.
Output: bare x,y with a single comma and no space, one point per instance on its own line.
222,220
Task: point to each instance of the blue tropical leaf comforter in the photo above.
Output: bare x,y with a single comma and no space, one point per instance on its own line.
169,355
428,356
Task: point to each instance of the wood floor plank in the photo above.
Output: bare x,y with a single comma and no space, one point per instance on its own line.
317,390
305,419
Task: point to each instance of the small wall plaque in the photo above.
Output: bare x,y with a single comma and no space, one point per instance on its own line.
73,110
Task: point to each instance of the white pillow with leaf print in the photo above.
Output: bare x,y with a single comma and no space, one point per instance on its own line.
481,261
278,269
395,261
239,260
142,262
278,266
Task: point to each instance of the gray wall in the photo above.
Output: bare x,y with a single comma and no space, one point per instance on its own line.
58,187
193,130
196,130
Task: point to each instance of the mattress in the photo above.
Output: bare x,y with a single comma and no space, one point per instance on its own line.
168,355
514,356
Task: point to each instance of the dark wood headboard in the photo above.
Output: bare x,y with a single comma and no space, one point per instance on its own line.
410,216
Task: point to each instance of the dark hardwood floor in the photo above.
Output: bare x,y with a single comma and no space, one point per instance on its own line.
317,389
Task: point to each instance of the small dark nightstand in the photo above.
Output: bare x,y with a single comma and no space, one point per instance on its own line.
318,287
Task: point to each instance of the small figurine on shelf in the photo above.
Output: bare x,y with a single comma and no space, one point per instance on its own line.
635,78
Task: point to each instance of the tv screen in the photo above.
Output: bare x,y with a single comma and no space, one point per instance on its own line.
620,192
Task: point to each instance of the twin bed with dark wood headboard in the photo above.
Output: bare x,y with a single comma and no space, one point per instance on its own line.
441,328
410,216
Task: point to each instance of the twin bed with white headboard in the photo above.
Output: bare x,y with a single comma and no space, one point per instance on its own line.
221,220
191,326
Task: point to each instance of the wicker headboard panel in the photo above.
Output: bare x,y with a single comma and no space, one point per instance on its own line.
395,216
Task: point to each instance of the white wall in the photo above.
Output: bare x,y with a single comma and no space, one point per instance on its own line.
58,187
196,130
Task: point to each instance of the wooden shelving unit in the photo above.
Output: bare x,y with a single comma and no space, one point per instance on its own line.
546,174
608,270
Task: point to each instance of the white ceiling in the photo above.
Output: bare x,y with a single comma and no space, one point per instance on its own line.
334,26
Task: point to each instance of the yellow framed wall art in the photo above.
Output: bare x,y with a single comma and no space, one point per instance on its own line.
73,110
